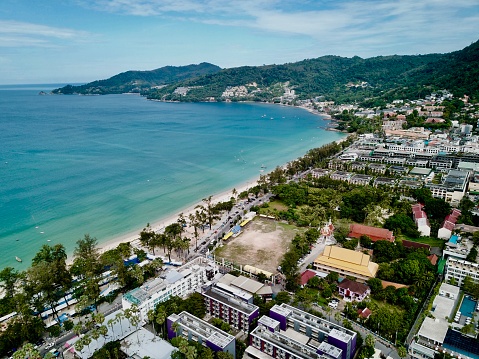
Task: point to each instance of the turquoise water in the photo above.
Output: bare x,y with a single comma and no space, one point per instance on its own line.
468,307
454,239
107,165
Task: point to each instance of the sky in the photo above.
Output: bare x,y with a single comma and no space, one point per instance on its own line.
79,41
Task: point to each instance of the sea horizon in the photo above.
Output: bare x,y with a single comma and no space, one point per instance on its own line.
108,165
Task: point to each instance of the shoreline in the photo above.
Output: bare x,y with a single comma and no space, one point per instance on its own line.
160,223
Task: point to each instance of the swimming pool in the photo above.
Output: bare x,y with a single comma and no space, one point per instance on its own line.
468,306
454,239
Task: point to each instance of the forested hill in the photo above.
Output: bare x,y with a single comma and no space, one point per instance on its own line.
371,81
338,78
137,81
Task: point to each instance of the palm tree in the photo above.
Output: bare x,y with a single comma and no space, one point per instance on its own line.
176,327
195,223
337,316
77,328
134,317
328,310
79,345
103,330
201,217
151,318
95,334
118,318
211,214
147,238
161,318
86,341
173,233
181,219
111,323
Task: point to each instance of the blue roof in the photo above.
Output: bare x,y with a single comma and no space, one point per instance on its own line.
236,229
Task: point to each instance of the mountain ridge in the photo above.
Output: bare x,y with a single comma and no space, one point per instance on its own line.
136,81
332,77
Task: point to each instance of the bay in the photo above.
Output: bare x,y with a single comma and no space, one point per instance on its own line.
107,165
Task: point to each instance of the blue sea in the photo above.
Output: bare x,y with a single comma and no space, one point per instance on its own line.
108,165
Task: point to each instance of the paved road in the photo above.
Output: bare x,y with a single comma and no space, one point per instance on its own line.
318,248
226,222
385,347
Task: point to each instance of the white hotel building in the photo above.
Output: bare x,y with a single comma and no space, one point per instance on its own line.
181,282
460,269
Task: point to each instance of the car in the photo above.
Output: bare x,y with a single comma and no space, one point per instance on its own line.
49,345
333,305
55,352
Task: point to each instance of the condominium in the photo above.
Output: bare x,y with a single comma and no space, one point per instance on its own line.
232,310
460,269
452,188
188,326
291,333
182,282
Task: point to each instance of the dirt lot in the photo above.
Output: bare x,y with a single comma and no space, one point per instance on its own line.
262,244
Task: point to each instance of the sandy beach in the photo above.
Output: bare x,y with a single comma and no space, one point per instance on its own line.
161,223
158,225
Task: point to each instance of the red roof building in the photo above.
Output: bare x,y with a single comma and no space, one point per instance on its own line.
364,313
353,291
376,234
411,244
305,276
433,259
448,225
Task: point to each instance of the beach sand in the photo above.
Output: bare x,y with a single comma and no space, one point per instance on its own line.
161,223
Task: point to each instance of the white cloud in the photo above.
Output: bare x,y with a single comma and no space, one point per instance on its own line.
21,34
376,23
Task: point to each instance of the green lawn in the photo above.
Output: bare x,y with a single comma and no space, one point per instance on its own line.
433,242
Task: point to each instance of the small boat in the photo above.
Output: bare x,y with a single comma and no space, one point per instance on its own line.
263,166
18,259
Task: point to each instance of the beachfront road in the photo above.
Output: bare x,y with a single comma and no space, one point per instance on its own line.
226,222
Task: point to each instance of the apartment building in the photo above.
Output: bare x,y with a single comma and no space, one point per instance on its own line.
453,186
188,326
291,333
460,269
236,312
182,282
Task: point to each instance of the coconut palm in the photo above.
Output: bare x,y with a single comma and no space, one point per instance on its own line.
86,341
118,318
111,323
103,330
147,238
160,318
151,318
195,223
211,214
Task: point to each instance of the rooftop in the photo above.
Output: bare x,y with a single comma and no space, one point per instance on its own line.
231,301
348,260
202,328
376,234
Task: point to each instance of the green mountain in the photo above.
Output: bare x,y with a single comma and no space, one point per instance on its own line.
371,81
337,78
137,81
